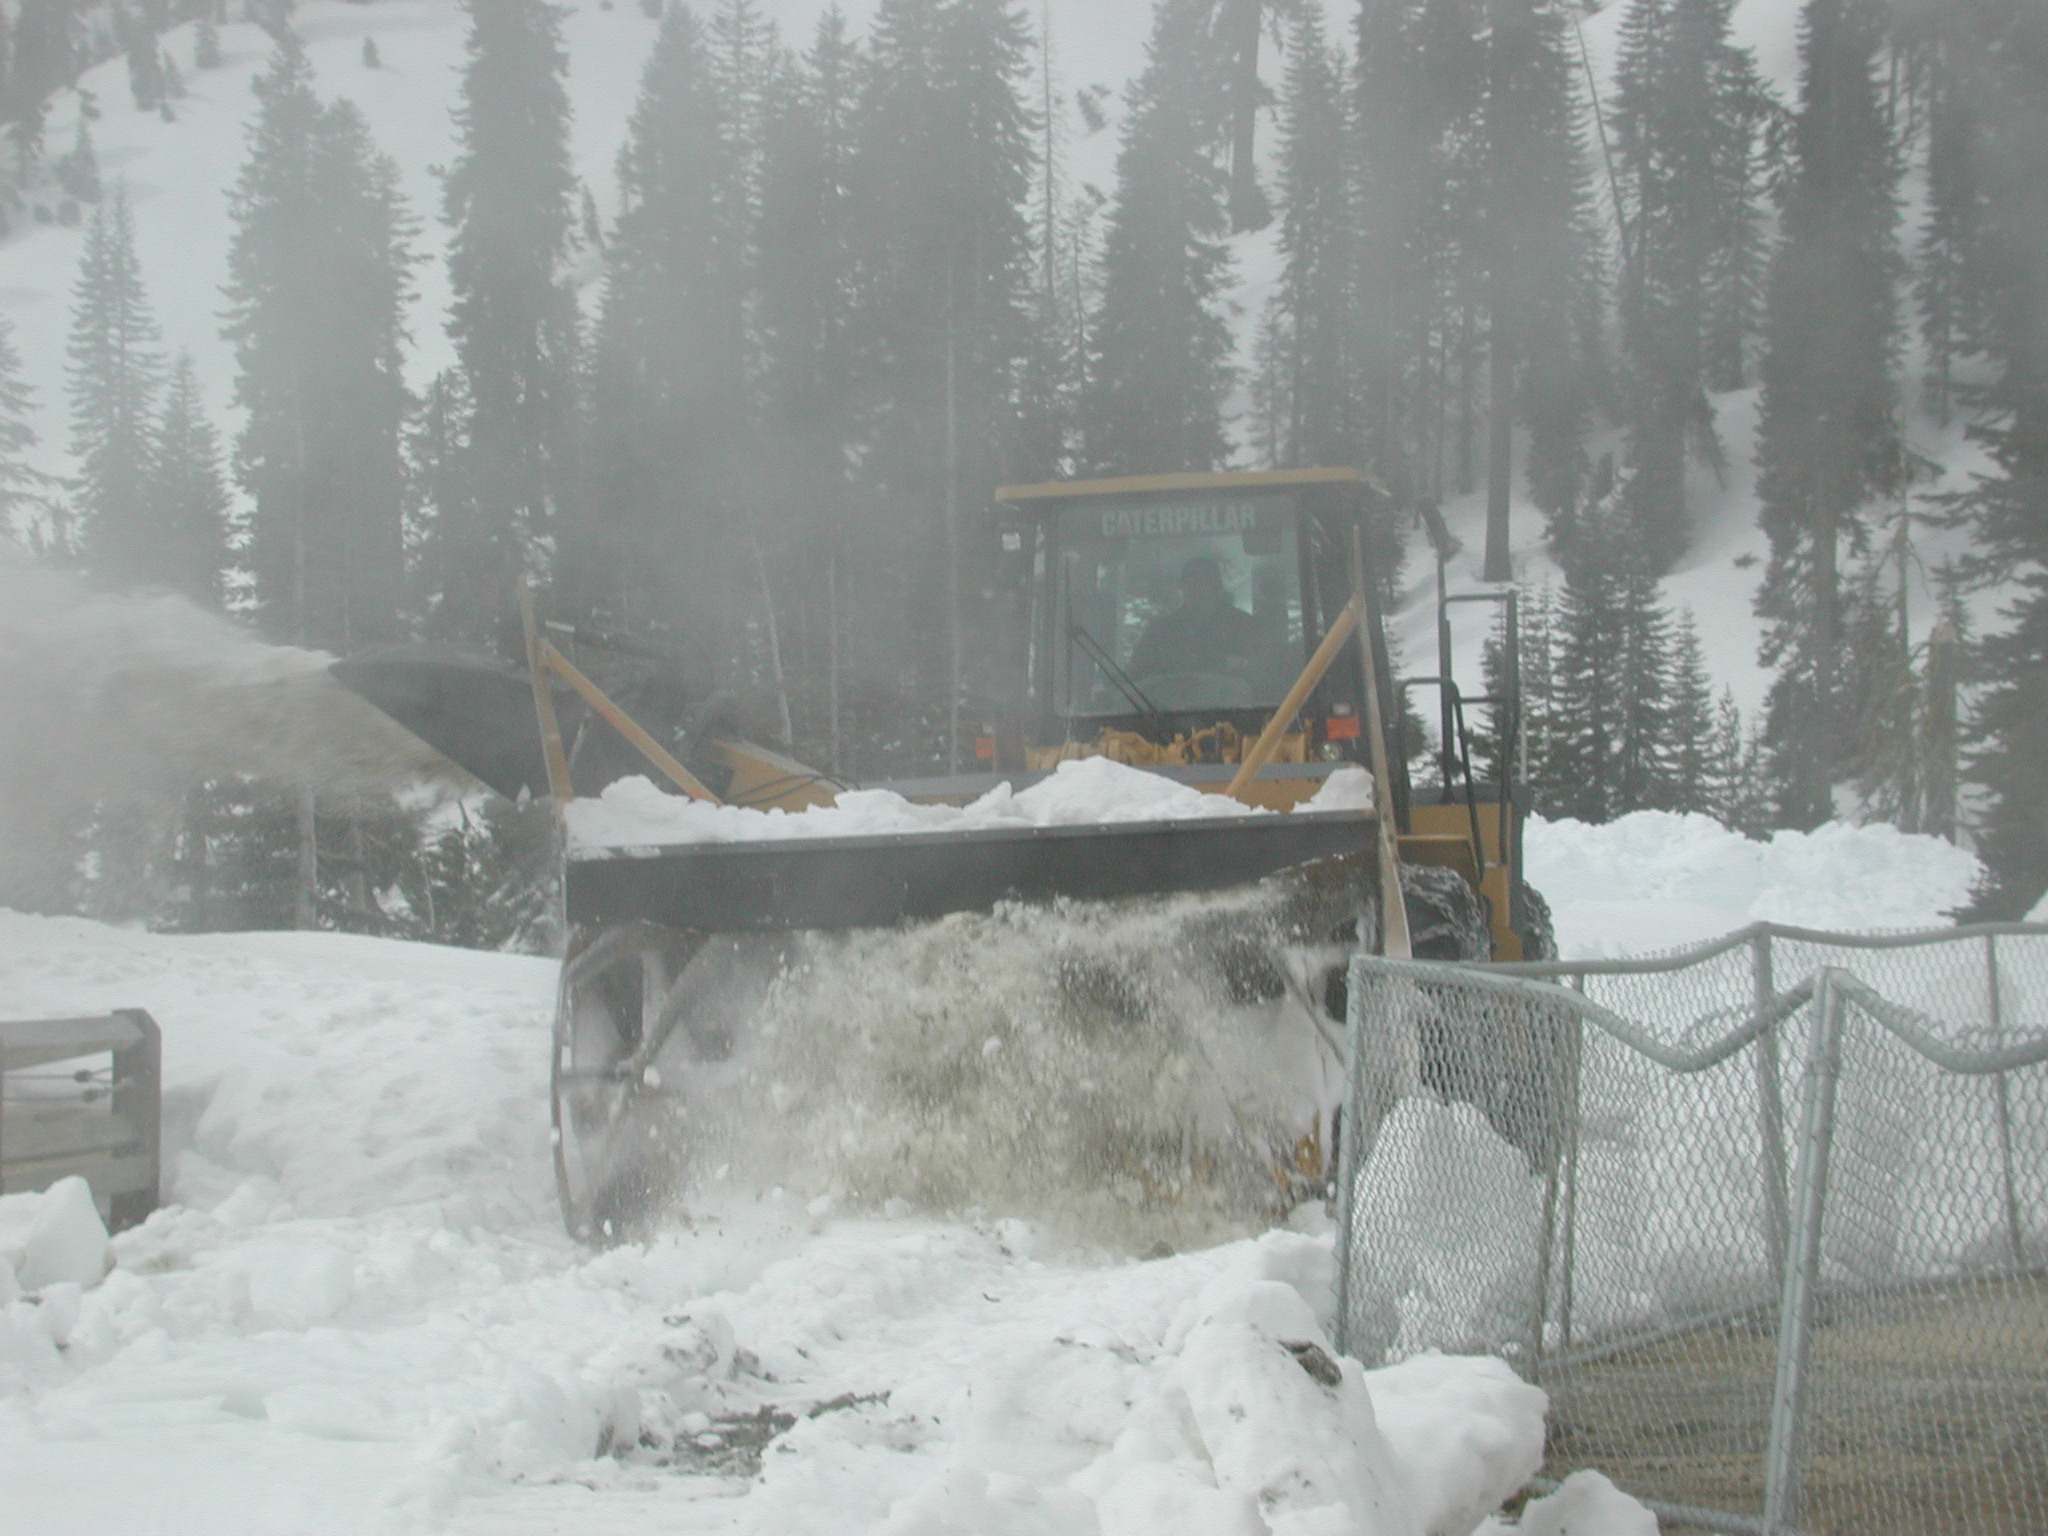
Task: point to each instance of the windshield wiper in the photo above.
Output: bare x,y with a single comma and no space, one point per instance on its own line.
1122,680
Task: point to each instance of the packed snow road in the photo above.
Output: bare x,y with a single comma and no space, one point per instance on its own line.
359,1315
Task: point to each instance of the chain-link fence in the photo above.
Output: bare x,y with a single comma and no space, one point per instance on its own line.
1768,1218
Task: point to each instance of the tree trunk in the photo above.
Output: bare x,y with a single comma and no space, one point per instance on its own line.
306,888
1500,443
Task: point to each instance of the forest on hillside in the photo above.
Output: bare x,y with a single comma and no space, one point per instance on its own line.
851,287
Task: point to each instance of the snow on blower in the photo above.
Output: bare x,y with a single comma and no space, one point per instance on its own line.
1197,803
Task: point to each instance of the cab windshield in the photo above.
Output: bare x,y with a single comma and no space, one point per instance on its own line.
1177,605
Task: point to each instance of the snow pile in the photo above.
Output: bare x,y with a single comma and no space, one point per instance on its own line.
1654,880
633,813
329,1074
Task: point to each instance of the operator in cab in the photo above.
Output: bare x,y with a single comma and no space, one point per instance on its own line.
1206,633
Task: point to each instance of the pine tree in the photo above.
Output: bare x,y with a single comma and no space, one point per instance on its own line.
1538,624
1828,440
23,489
806,256
44,58
115,374
1318,238
206,40
670,370
1688,117
510,200
1942,286
1055,359
1693,731
943,257
1611,686
1725,788
188,493
1162,348
145,59
1998,51
78,172
318,278
1539,246
1418,84
806,269
441,502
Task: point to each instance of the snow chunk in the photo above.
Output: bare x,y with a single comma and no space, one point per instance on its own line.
1348,789
1585,1504
1467,1428
633,813
54,1236
2040,912
1470,1208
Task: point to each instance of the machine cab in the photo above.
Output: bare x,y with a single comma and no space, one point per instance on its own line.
1173,612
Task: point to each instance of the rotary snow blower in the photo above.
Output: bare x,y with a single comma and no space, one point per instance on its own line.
1222,631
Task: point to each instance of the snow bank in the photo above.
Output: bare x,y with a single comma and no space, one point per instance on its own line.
333,1075
633,813
1654,880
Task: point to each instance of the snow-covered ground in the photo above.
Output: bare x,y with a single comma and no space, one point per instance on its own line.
359,1314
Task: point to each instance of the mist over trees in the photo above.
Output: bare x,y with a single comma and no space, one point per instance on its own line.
757,408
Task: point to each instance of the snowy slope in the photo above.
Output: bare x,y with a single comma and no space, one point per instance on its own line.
360,1314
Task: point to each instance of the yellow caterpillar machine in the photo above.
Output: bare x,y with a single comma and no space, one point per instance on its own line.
1221,630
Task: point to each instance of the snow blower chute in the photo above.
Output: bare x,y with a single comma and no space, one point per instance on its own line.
1219,631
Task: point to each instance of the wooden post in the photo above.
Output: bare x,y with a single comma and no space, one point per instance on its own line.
1262,749
544,705
554,661
1394,939
1938,776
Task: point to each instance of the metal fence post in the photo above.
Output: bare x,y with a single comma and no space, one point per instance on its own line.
2002,1102
1770,1097
1571,1187
1347,1148
1782,1493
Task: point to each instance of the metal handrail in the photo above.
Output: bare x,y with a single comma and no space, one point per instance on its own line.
1679,959
1773,1012
1905,1023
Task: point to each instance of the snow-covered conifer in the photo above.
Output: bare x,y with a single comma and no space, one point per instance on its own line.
115,372
1828,439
